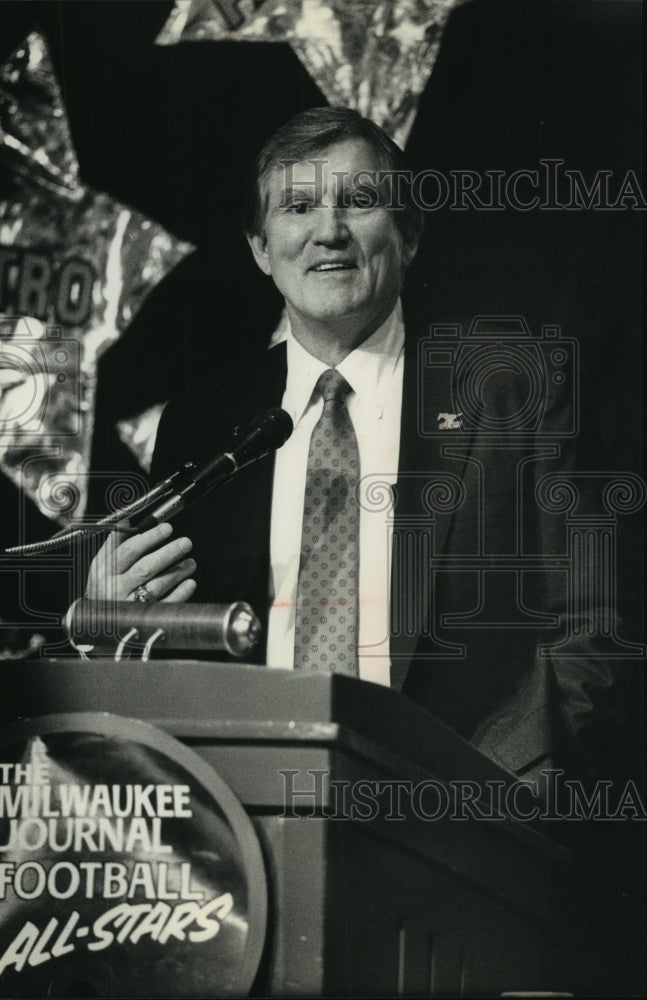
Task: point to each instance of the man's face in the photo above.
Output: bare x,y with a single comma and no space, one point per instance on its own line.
335,261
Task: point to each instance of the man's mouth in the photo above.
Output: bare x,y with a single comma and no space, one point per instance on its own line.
336,265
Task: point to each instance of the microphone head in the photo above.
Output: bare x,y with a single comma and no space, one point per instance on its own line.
266,432
277,424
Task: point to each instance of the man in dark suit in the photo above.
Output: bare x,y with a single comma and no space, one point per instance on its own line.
451,524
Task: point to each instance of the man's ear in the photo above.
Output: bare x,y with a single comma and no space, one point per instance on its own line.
258,246
409,248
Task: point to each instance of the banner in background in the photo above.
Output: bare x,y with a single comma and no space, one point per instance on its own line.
77,265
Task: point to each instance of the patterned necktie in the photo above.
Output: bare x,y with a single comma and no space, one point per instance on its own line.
325,637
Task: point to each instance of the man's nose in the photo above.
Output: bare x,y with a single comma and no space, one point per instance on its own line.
330,225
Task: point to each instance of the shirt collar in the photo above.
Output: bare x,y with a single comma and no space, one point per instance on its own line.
368,369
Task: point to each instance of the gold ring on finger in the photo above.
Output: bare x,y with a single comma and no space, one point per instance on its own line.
144,595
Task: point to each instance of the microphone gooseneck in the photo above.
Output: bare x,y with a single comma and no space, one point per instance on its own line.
267,432
264,434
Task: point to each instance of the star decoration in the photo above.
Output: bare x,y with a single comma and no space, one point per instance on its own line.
372,55
75,266
139,433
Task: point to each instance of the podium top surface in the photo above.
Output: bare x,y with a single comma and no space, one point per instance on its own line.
203,702
234,701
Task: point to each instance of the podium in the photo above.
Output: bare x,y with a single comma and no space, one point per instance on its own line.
383,876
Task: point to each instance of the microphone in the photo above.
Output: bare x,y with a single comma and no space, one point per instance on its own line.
102,625
264,434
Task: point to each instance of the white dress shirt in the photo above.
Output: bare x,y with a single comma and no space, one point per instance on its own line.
374,371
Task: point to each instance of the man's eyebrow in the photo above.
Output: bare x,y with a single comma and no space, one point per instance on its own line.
295,192
366,183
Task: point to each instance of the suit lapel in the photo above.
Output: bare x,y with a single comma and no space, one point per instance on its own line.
427,392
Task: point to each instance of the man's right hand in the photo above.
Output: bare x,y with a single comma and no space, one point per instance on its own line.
149,560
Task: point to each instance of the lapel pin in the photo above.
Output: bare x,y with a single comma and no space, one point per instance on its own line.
449,421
